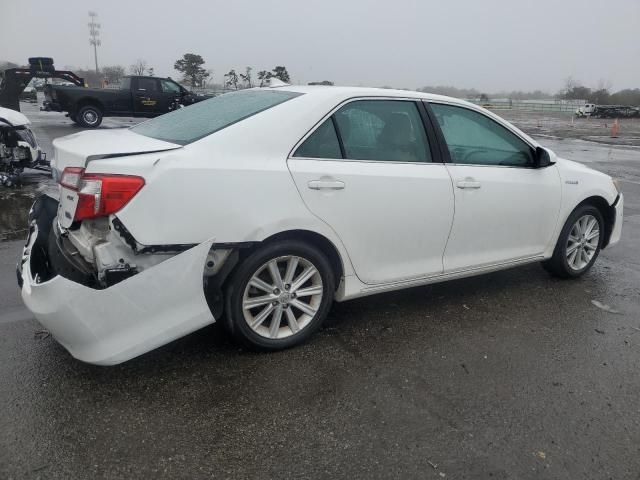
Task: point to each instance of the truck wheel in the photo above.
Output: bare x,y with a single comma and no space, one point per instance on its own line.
89,116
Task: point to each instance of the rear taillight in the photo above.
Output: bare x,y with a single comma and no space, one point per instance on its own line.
99,194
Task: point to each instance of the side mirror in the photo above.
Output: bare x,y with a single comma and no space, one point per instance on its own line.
542,159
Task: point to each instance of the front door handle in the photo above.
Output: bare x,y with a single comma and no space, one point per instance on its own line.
468,184
325,185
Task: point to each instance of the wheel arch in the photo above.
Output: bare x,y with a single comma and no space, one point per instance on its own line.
608,214
89,101
318,240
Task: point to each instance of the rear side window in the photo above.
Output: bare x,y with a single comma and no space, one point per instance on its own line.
323,143
148,84
383,130
186,125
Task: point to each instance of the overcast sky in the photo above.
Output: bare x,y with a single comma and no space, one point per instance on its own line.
490,44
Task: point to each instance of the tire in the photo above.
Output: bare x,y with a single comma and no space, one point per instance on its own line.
564,263
89,116
284,301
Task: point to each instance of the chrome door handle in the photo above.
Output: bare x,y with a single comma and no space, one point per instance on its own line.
468,184
325,185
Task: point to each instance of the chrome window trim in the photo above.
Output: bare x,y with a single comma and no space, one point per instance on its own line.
414,100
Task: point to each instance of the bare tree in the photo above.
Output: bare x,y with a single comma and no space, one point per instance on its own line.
232,79
138,68
246,77
113,73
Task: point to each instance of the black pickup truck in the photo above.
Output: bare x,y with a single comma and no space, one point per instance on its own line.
136,96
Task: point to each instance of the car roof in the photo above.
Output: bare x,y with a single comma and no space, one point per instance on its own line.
351,92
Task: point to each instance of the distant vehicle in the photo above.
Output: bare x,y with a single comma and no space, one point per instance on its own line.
136,96
270,203
29,94
14,80
19,148
607,111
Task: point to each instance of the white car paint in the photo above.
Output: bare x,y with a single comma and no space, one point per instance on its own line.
17,119
241,184
13,118
107,327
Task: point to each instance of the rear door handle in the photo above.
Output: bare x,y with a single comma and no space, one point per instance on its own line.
325,185
468,184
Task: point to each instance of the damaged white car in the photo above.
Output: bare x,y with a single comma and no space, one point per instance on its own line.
19,148
262,207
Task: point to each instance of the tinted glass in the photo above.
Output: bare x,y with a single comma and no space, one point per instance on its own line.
148,84
189,124
475,139
323,143
125,83
169,87
385,130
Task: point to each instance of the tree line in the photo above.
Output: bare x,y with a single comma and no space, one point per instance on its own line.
601,95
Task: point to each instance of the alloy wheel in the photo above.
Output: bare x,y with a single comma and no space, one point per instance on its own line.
583,242
282,297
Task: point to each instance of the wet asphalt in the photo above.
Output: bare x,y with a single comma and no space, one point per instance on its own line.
510,375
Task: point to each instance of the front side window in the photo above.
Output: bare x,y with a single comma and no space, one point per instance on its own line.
475,139
194,122
322,143
383,130
169,87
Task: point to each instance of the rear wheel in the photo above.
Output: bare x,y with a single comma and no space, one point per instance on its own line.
279,295
579,243
89,116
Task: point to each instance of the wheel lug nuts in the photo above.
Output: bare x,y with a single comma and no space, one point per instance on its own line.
276,291
287,286
275,304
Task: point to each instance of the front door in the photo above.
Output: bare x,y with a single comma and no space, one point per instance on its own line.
505,208
146,95
367,171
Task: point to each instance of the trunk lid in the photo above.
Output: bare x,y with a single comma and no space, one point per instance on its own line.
78,149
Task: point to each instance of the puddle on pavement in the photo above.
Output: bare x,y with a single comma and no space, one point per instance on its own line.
16,202
14,209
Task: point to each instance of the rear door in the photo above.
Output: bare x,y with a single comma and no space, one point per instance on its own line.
505,208
146,95
368,171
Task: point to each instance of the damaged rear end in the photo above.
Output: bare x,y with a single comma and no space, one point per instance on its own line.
105,297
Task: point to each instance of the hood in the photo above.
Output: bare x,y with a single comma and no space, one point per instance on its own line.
78,149
13,118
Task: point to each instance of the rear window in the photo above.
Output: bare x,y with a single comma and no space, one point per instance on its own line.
186,125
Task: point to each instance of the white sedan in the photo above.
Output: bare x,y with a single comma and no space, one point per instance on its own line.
263,206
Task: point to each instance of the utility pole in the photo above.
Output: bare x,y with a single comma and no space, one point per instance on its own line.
94,36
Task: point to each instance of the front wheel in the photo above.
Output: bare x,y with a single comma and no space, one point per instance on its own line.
279,295
89,116
579,243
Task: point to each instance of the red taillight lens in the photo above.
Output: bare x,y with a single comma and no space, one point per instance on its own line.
100,195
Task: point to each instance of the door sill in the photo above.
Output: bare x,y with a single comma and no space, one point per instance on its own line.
441,277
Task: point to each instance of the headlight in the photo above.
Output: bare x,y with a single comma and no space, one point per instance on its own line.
616,183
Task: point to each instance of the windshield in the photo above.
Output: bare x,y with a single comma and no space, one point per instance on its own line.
186,125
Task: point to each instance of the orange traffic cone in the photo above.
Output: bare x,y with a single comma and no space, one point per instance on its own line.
615,128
